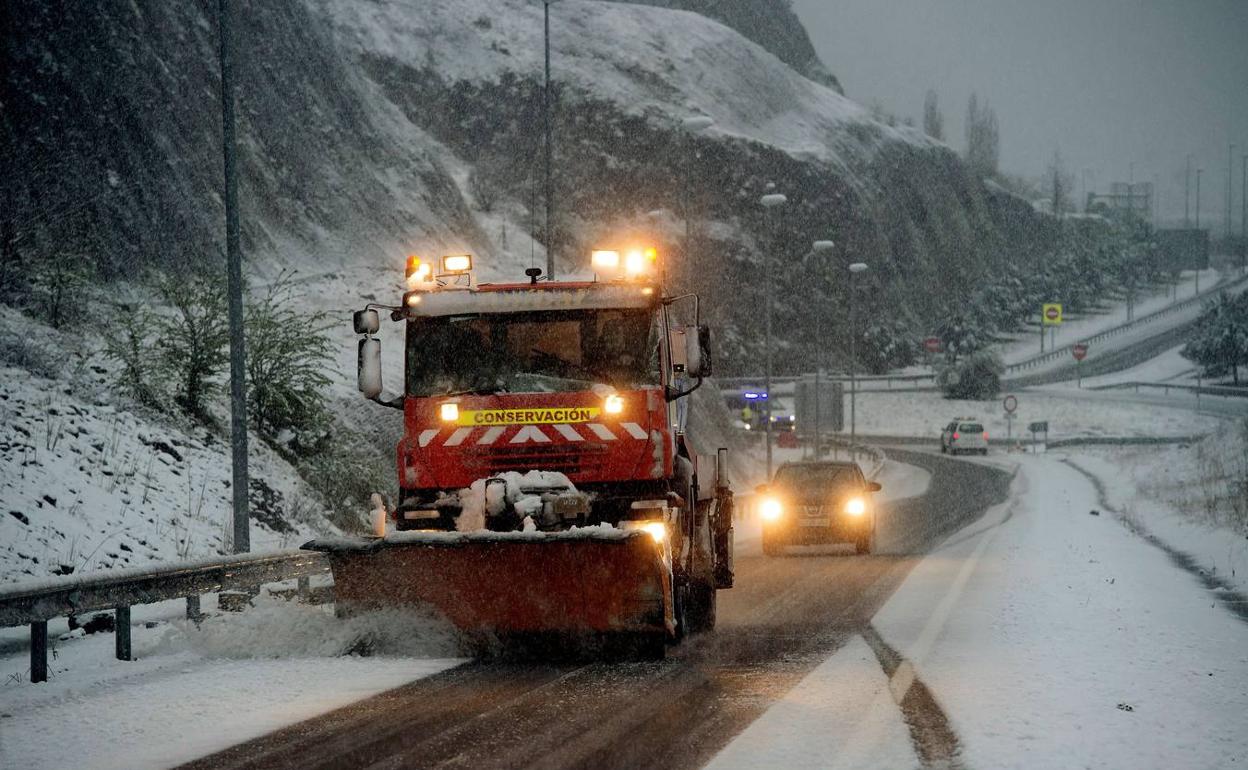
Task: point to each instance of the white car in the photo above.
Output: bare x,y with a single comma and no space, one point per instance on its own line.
964,435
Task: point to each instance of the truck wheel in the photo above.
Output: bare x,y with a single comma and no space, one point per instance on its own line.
700,612
863,544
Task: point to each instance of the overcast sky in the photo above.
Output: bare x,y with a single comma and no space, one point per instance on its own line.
1108,82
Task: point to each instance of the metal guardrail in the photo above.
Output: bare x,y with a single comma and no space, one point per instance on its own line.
1020,366
1204,390
1064,352
35,603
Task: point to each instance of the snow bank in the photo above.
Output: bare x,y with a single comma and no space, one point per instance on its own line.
276,628
1184,495
193,691
1057,639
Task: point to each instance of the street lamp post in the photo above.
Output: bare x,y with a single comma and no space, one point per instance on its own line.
769,201
692,125
854,269
1243,216
1230,191
234,282
1199,171
819,247
549,147
1187,193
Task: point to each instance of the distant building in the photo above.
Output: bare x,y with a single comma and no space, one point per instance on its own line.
1123,198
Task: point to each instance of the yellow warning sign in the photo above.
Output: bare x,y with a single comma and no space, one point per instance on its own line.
543,416
1051,314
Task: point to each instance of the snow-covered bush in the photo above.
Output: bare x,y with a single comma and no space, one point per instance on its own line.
975,377
126,342
193,339
288,351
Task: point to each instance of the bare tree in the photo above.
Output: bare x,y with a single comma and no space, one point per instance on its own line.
1060,183
933,120
983,144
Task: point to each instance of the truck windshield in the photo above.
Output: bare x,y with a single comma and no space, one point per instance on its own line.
538,352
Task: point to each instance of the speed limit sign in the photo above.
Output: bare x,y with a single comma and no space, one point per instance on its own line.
1010,403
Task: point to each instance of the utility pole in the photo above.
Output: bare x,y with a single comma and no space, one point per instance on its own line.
769,201
1199,171
546,102
1230,191
1187,193
1243,216
854,269
234,269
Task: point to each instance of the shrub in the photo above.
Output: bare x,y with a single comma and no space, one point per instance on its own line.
288,351
193,342
126,341
976,376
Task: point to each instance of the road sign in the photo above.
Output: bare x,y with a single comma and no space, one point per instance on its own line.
1039,427
1079,350
1010,403
932,344
1052,314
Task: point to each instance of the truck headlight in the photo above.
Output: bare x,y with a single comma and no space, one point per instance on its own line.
855,506
656,530
450,411
771,509
613,405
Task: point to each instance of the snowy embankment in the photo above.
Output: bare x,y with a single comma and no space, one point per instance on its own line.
1076,328
1081,414
1190,497
196,690
1049,637
86,485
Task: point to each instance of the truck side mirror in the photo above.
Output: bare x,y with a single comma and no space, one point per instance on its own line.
698,351
369,374
366,321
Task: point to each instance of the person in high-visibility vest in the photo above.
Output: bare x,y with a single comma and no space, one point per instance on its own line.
747,416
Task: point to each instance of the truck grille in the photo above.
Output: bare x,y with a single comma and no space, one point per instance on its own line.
569,459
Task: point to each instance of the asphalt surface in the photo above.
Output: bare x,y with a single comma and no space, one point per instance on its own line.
784,617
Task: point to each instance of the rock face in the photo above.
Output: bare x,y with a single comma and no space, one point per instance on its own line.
770,23
369,129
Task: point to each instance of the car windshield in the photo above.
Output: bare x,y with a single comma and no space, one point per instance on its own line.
538,352
803,478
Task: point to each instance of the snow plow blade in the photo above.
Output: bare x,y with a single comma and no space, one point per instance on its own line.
569,594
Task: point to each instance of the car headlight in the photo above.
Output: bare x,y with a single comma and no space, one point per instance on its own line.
855,506
771,509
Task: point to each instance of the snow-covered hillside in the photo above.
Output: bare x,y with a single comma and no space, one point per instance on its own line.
658,63
88,482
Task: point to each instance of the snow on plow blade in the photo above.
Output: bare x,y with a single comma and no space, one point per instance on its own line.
604,593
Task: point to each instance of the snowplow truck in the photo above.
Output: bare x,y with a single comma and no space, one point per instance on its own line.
550,495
